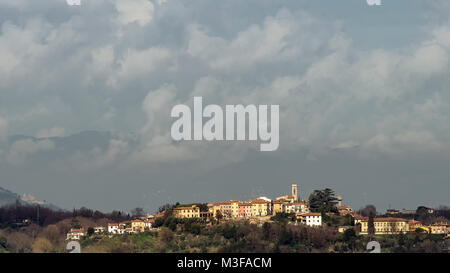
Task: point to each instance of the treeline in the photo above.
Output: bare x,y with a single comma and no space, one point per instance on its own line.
191,235
19,214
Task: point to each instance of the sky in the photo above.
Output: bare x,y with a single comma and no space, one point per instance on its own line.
86,93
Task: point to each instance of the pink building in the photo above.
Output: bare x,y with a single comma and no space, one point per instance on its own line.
245,209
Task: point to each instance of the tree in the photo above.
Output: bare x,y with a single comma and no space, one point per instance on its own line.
367,210
219,215
323,201
90,231
137,212
42,245
349,237
370,225
3,244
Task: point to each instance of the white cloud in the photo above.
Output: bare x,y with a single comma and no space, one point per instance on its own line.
130,11
138,64
21,150
3,128
53,132
278,39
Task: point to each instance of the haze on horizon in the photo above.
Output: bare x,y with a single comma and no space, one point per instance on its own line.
86,93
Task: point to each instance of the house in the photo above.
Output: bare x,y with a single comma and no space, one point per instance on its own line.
206,214
245,209
99,230
392,212
116,228
297,207
408,211
112,228
75,234
137,226
386,225
224,208
414,225
312,219
279,206
234,208
439,228
187,212
261,207
344,210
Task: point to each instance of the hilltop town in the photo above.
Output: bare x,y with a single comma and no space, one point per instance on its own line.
320,223
264,209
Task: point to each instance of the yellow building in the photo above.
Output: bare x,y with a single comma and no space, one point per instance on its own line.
224,208
441,228
278,206
260,207
386,225
187,212
234,208
139,225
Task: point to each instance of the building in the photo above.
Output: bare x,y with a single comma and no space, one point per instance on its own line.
439,228
112,228
187,212
294,197
386,225
261,207
344,210
117,228
224,208
294,191
75,234
313,219
414,225
392,212
206,215
279,206
138,225
297,207
99,230
234,208
245,209
408,211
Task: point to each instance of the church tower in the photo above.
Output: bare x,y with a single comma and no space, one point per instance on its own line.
295,191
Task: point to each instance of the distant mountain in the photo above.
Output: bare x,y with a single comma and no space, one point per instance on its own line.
8,197
81,142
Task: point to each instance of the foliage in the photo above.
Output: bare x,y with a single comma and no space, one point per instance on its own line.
42,245
323,201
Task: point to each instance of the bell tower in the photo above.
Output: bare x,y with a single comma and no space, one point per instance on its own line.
295,191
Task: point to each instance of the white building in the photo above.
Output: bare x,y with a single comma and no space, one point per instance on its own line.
112,228
297,207
75,234
313,219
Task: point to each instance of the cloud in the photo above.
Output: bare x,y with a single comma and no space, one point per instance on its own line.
310,66
53,132
278,39
130,11
3,128
139,64
21,150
